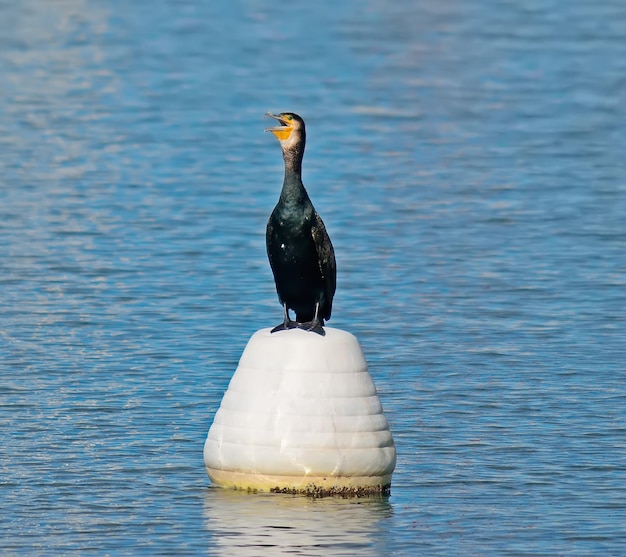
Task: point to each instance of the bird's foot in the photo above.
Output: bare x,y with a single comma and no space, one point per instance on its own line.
314,326
285,326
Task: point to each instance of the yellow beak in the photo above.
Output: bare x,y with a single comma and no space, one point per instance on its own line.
282,132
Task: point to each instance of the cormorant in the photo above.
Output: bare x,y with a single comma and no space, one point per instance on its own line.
298,247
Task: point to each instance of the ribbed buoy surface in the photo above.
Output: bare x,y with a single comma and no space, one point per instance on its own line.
301,414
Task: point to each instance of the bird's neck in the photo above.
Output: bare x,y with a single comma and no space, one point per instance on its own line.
293,189
293,160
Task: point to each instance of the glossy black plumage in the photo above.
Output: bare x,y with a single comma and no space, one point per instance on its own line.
298,247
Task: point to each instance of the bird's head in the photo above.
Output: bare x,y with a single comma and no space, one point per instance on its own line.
290,132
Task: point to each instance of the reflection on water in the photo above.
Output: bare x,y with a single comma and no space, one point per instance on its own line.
244,524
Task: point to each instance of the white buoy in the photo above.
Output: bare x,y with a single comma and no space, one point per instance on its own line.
301,415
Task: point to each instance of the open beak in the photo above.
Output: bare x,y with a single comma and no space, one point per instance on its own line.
284,124
282,132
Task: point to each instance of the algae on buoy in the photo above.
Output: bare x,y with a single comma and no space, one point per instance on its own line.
301,415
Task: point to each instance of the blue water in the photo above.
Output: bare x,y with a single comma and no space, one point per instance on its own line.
468,161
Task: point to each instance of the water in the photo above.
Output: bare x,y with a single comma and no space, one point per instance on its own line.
467,159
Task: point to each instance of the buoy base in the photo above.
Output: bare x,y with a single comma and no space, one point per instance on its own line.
317,486
301,415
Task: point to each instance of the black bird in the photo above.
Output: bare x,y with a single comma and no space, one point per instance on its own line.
298,247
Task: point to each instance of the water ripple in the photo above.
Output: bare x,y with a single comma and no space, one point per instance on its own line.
468,164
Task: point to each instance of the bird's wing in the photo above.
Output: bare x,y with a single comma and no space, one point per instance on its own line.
326,259
268,237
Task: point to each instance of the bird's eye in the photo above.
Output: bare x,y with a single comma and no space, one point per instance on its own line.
290,118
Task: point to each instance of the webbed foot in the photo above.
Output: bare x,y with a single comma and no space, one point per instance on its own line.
285,326
287,322
314,326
